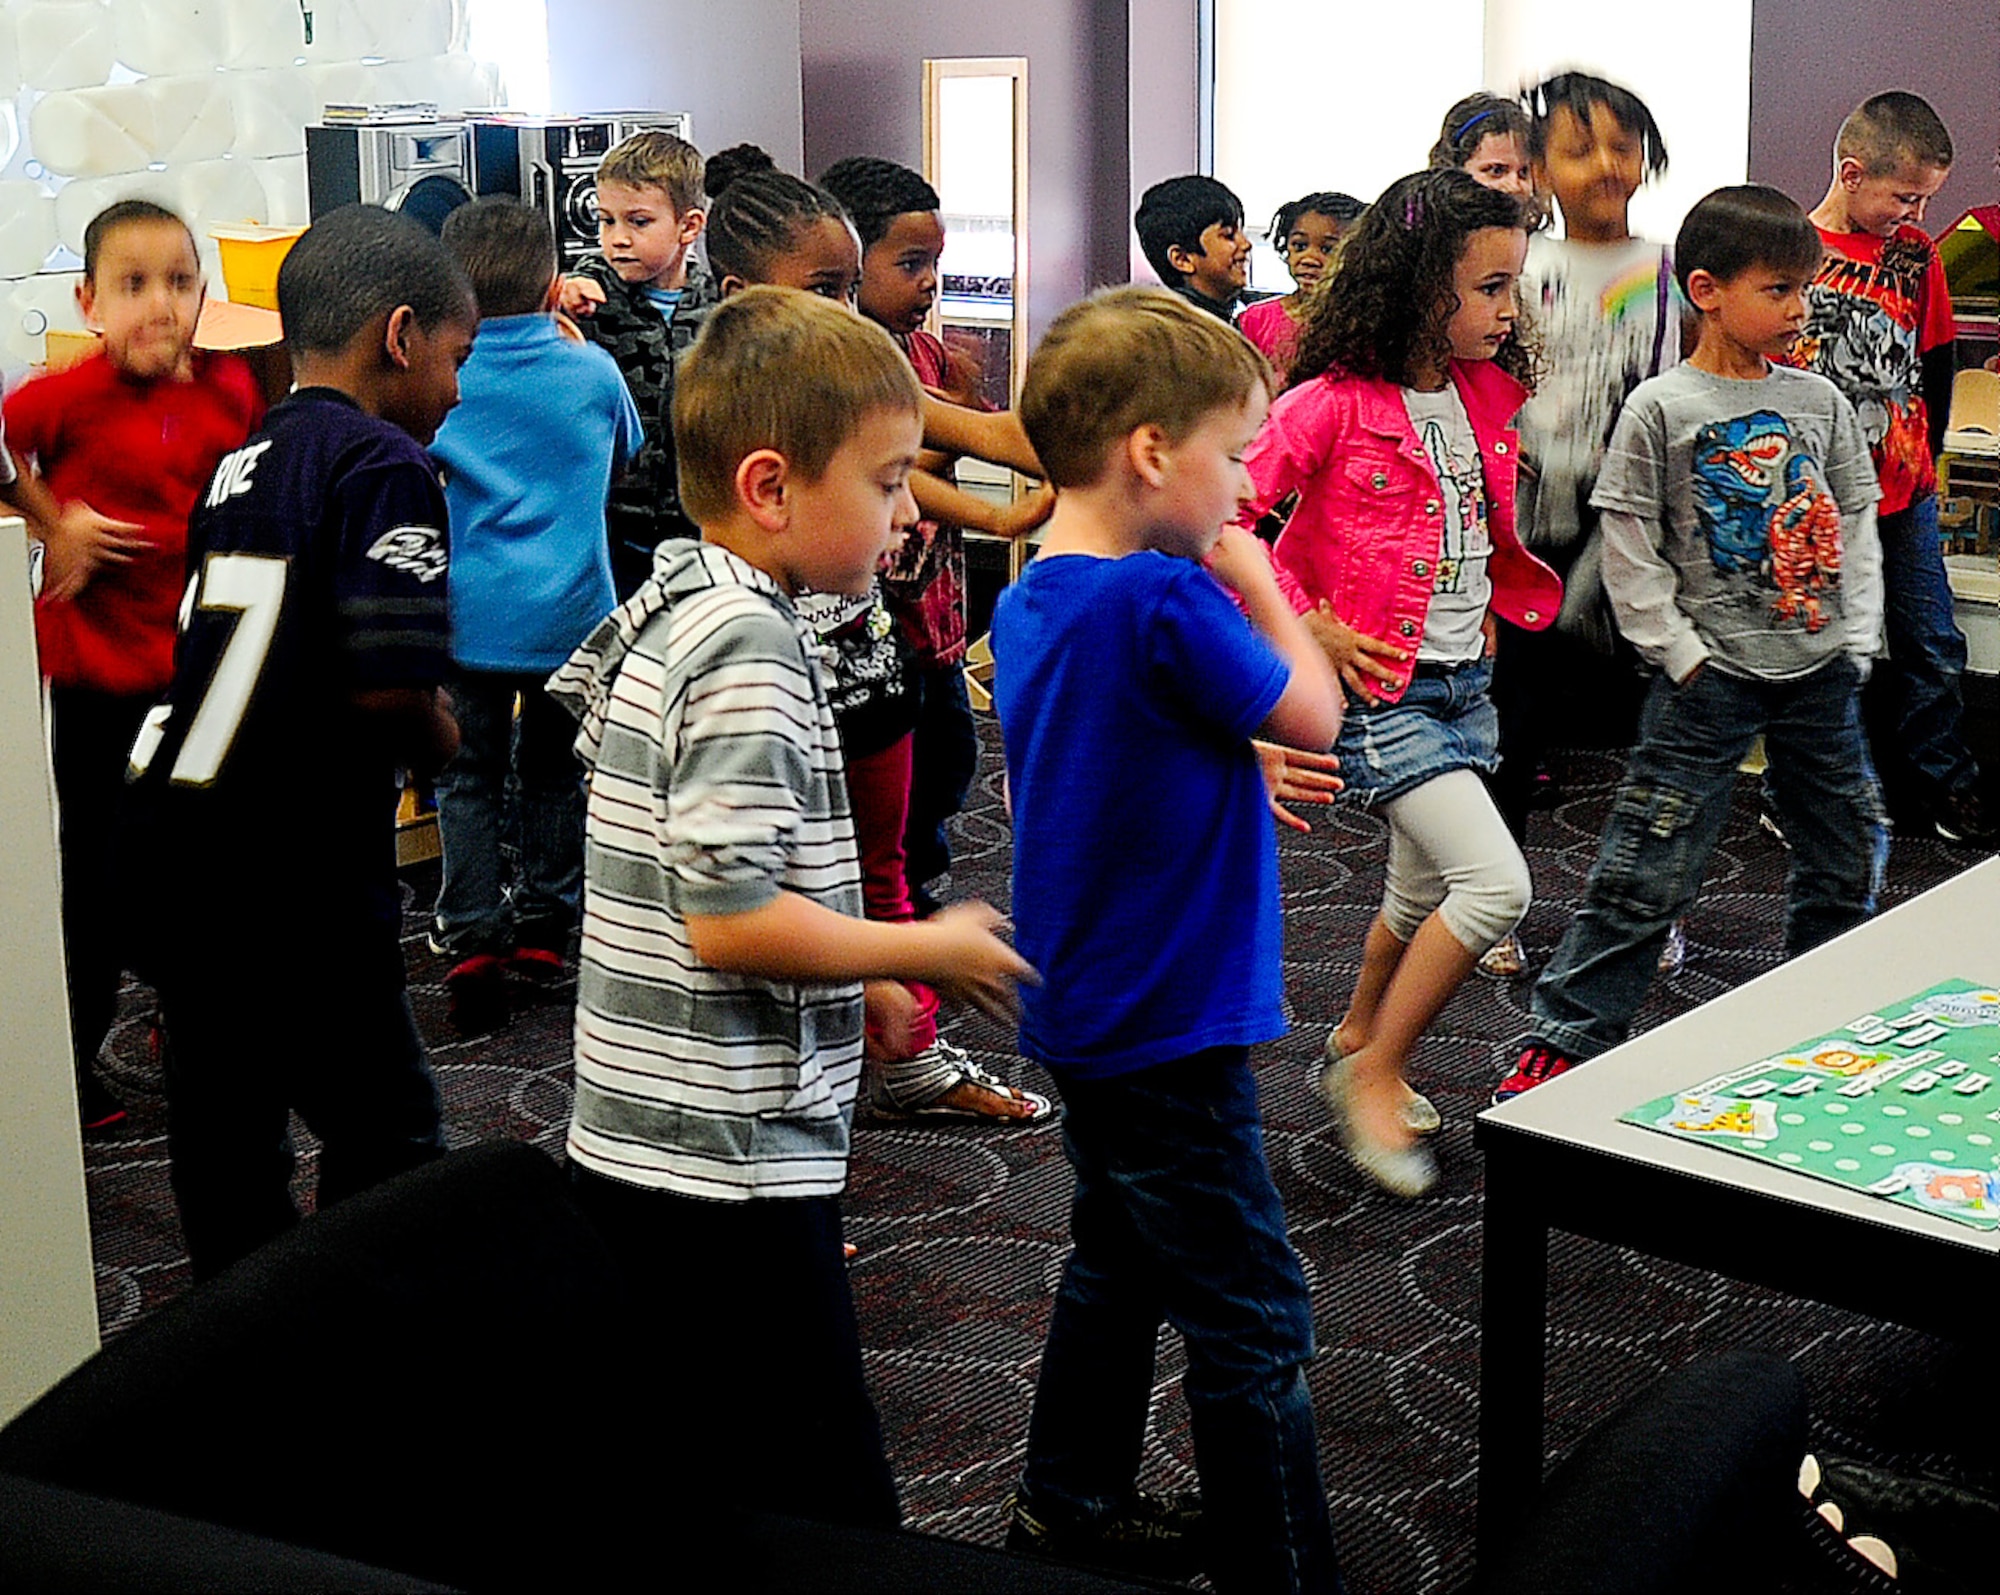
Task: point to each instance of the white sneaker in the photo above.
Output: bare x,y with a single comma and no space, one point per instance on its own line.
1674,951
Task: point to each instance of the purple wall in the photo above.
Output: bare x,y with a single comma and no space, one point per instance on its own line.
1165,74
1813,61
734,67
862,65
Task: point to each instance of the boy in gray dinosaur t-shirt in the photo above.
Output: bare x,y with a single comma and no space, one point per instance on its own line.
1740,555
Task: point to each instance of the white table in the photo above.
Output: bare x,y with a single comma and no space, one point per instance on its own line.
1558,1157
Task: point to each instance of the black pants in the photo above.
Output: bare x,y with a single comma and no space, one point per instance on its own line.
92,736
943,761
745,1338
1552,691
252,1039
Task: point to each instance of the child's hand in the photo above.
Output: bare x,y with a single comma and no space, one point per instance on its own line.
1489,629
1238,560
1021,517
580,297
974,965
1291,775
1356,659
889,1013
82,543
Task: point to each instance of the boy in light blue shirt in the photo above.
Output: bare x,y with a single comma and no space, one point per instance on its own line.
543,427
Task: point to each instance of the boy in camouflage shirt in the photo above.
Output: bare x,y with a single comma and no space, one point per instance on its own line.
643,298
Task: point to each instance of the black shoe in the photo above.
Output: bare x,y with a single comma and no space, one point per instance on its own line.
1959,817
1151,1536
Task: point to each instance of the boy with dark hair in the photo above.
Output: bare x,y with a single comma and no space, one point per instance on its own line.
122,446
642,297
543,427
1116,649
1738,512
909,784
720,1003
1191,231
313,645
1880,327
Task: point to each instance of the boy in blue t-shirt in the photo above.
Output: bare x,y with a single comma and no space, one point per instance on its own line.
1149,903
312,648
543,427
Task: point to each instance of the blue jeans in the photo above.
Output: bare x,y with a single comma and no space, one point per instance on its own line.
1926,652
1670,808
1444,721
476,913
1176,1219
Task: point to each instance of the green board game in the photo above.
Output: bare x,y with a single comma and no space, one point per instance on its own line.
1904,1104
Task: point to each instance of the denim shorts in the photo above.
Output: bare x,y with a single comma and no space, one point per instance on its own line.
1443,722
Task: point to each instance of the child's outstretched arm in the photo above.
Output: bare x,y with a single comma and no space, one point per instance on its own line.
1307,713
991,435
940,500
791,937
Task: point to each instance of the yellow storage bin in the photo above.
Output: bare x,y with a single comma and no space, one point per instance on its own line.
251,257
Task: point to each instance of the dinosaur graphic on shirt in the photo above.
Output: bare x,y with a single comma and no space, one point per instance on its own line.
1757,493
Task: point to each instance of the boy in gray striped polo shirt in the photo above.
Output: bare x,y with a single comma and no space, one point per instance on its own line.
720,996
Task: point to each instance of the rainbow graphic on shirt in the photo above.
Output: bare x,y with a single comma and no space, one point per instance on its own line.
1637,288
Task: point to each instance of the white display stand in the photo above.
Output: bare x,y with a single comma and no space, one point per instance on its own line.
48,1301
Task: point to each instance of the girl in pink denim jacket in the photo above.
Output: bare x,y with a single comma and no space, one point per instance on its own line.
1396,437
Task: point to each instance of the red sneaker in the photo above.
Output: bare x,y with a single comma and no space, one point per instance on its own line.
476,993
1538,1062
97,1108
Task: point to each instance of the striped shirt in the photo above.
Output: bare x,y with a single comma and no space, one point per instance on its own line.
715,783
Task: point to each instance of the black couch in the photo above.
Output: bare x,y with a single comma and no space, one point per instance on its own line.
398,1396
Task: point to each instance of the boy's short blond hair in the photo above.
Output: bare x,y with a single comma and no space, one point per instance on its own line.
1126,358
658,160
778,369
1888,132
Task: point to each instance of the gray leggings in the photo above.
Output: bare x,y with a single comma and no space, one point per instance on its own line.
1449,850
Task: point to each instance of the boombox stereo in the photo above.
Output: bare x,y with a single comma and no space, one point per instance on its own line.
551,163
423,169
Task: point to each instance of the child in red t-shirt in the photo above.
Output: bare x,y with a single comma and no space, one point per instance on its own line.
1879,325
125,444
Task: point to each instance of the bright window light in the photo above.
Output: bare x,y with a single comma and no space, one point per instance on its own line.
514,36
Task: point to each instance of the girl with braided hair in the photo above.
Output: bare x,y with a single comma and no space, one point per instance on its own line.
767,227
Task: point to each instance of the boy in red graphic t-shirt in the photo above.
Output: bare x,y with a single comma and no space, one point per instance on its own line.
124,444
1879,325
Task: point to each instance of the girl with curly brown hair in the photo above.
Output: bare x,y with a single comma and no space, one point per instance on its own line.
1396,435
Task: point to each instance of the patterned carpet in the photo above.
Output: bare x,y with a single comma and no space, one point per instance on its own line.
962,1231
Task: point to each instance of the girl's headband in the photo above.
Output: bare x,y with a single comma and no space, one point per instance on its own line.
1471,122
